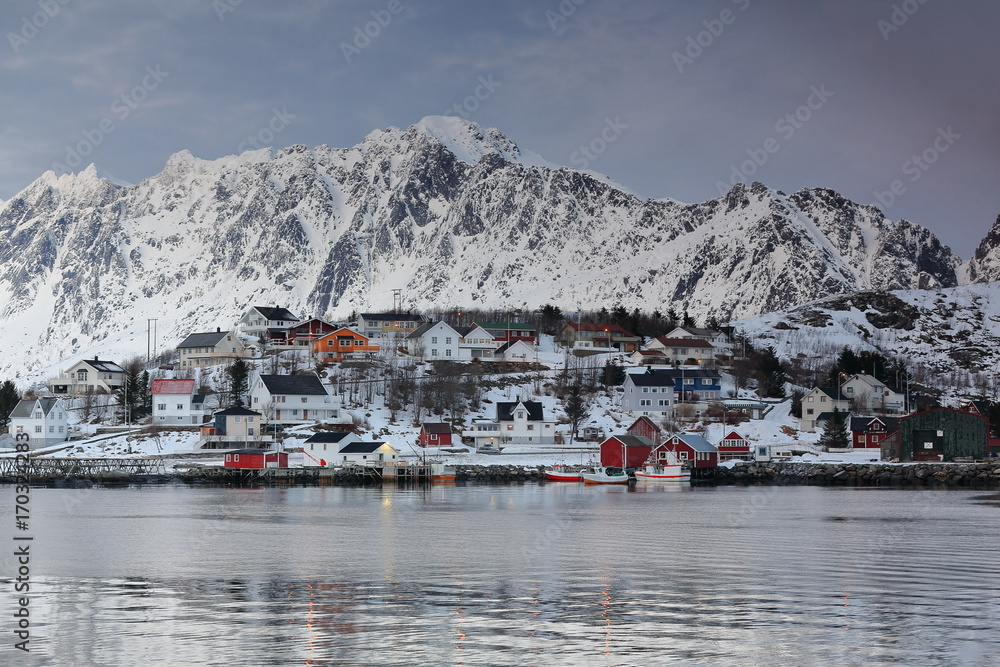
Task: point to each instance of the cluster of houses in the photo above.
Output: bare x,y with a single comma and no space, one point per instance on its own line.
677,369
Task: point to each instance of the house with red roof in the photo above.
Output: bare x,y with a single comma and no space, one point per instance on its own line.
599,338
175,402
435,434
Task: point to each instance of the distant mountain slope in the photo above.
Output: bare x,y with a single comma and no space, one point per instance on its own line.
952,334
448,212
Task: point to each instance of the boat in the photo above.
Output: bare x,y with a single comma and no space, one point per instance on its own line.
555,475
675,472
442,473
605,476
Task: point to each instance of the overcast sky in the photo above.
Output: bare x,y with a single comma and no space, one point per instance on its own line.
672,98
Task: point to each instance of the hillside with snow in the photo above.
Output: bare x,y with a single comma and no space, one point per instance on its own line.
450,213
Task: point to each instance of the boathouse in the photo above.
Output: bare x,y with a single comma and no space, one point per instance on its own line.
633,449
941,434
435,434
256,459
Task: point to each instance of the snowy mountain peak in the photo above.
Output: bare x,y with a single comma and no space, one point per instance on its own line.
984,267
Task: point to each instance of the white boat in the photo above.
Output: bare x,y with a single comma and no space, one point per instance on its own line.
556,475
603,476
674,472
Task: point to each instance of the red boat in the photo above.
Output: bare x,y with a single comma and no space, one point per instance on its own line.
556,475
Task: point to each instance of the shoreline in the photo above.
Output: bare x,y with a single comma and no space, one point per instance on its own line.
871,475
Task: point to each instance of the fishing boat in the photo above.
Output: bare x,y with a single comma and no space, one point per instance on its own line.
561,474
675,472
605,476
442,473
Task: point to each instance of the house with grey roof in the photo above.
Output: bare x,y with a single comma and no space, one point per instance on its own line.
41,422
327,443
209,349
376,453
648,394
293,399
93,375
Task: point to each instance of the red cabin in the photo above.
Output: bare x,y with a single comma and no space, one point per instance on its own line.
869,432
645,427
634,449
692,448
435,434
256,459
734,447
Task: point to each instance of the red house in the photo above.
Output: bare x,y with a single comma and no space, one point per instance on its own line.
634,449
734,446
645,427
869,432
256,459
689,447
303,333
435,434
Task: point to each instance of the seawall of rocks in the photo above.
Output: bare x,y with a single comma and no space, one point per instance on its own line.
973,475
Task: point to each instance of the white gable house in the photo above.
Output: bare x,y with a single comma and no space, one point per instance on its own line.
41,422
293,399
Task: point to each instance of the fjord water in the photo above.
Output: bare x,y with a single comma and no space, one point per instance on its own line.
557,574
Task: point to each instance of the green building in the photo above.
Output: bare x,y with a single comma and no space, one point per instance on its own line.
941,434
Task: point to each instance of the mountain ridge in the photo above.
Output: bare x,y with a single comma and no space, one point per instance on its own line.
450,213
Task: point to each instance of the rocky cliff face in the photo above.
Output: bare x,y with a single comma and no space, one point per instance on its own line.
450,213
984,267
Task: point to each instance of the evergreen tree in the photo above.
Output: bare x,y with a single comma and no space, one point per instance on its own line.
128,394
613,374
577,409
771,376
835,432
9,398
239,382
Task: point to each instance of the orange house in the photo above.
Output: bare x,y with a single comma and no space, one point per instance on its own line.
342,344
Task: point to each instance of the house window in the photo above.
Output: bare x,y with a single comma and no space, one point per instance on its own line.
52,429
38,429
645,390
809,411
447,352
664,402
520,415
683,456
434,340
304,399
531,427
510,427
434,352
161,406
180,406
645,401
689,381
236,458
861,439
60,429
809,399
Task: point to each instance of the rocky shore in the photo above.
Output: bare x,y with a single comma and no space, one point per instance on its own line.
972,475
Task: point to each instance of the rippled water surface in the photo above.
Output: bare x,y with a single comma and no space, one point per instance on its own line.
522,575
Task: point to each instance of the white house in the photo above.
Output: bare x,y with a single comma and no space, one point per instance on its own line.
518,422
475,342
89,375
293,399
209,349
820,403
869,394
258,319
174,402
366,454
434,341
42,422
681,350
516,350
649,394
326,444
717,338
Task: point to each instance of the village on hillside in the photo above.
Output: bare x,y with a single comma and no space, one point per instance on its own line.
278,390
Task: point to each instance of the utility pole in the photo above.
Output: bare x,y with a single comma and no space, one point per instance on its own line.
148,349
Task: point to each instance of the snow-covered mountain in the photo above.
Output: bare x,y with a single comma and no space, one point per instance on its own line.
450,213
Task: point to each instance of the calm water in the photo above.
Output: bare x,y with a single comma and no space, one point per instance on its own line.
534,575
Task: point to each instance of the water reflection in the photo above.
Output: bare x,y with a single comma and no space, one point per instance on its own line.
557,574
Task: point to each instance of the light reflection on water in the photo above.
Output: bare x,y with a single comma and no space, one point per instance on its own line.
548,575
